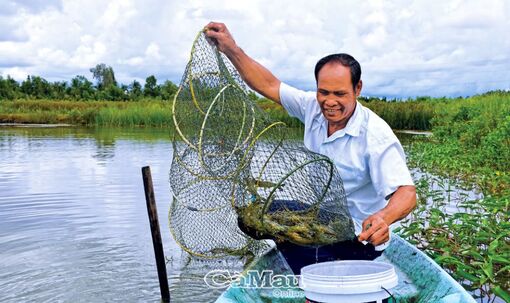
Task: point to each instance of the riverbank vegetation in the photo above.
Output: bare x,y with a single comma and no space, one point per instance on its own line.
145,112
470,149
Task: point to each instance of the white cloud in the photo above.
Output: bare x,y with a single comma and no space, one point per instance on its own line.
152,51
88,53
15,72
405,48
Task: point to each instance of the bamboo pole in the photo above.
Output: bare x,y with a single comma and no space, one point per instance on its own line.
156,234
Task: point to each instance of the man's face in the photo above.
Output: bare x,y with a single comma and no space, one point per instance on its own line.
335,94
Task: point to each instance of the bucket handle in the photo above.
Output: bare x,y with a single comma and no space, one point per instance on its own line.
389,293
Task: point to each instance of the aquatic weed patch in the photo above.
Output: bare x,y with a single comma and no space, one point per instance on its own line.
470,148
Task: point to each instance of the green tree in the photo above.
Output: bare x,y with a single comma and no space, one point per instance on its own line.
135,90
113,93
151,89
124,88
42,88
168,90
26,87
36,87
59,90
9,88
104,75
81,88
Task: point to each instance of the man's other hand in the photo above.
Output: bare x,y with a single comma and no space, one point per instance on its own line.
220,36
375,230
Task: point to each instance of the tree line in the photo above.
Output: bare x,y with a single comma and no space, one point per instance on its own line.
80,88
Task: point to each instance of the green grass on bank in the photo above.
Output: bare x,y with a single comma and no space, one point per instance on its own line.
420,114
151,113
100,113
410,115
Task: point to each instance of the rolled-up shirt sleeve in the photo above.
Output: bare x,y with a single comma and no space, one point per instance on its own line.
388,168
295,101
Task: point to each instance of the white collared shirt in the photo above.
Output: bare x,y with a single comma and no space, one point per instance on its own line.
367,154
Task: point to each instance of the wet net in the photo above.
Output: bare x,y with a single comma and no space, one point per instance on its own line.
232,164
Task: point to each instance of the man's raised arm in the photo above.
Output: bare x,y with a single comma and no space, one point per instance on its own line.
253,73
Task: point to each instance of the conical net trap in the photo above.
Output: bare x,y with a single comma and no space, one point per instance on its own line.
231,161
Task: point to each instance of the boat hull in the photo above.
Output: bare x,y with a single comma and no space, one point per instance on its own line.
420,279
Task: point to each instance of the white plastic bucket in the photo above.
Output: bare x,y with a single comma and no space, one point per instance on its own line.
348,281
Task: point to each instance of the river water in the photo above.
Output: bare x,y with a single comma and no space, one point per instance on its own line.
73,220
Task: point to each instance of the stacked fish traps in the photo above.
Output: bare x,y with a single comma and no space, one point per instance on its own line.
231,163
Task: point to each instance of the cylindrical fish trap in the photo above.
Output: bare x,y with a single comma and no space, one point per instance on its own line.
294,195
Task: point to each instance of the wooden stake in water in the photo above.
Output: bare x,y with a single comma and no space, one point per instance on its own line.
156,234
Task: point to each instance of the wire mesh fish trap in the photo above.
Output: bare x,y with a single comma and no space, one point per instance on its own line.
215,124
296,196
232,162
212,113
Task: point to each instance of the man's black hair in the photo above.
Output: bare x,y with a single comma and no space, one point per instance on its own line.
345,60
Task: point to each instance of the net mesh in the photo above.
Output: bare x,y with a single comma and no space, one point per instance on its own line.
231,163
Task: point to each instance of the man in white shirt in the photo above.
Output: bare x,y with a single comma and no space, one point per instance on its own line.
367,154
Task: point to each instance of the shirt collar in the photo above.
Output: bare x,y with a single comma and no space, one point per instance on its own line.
353,125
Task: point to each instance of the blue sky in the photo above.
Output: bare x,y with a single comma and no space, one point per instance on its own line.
406,48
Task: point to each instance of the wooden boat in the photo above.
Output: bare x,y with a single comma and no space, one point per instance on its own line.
420,279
